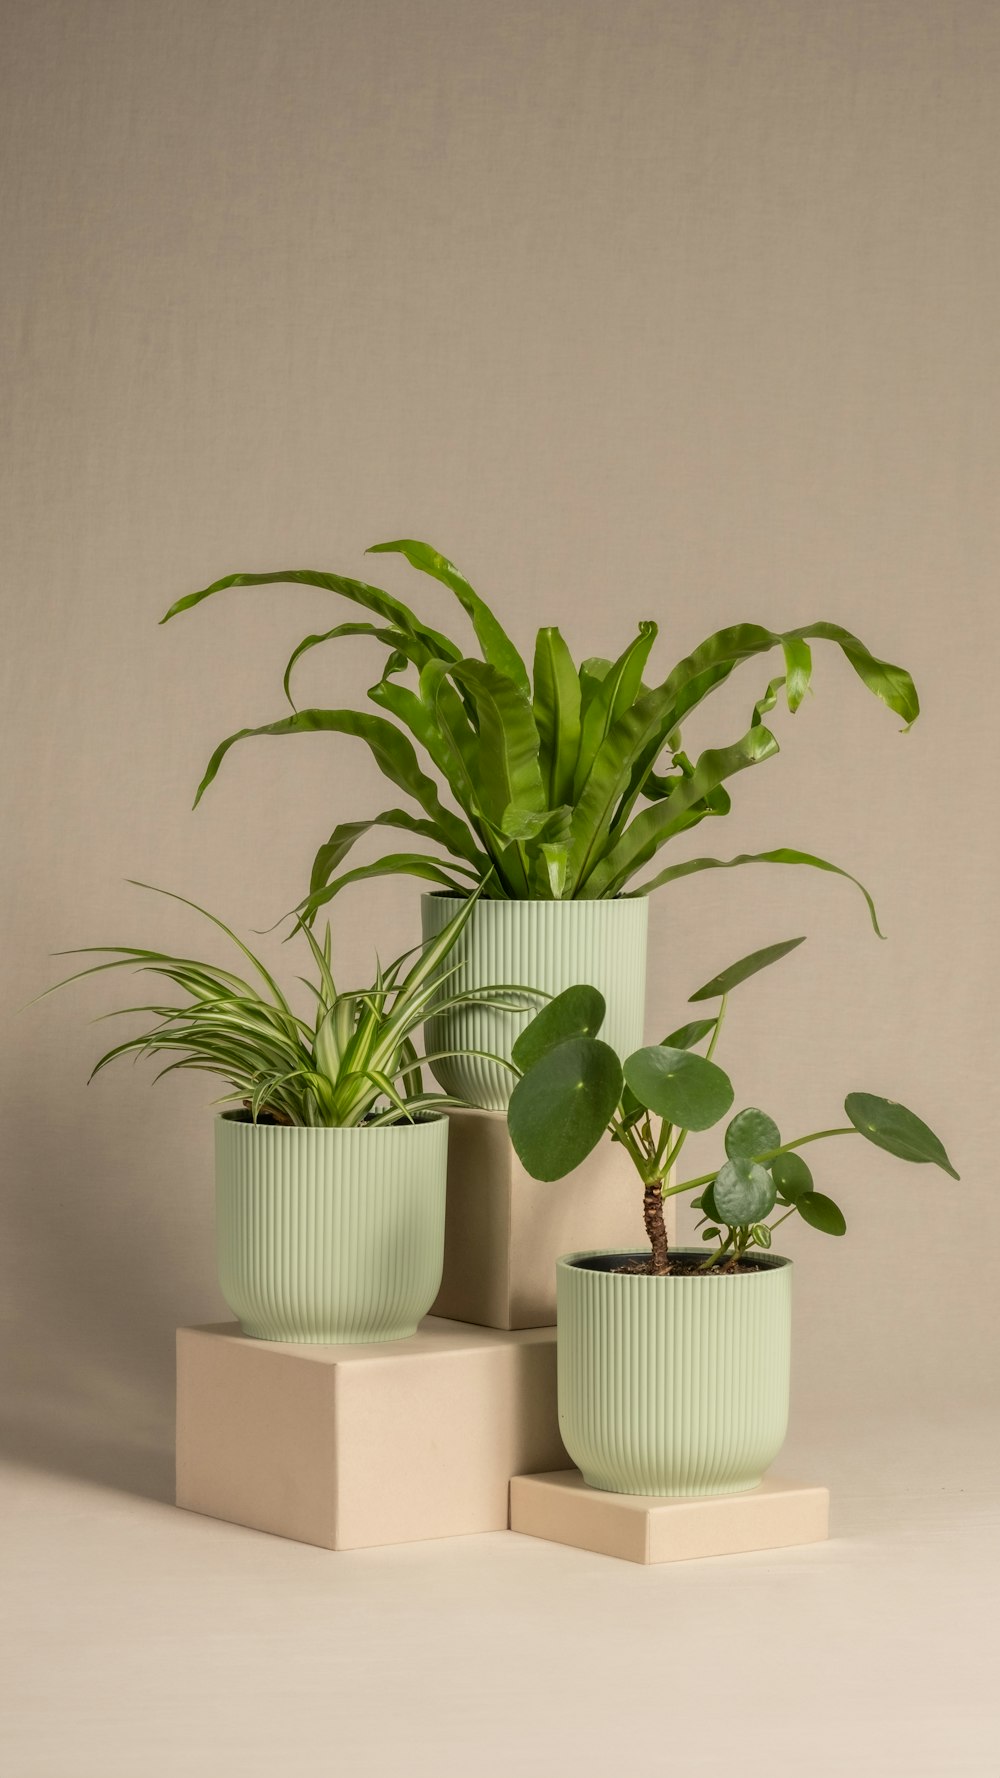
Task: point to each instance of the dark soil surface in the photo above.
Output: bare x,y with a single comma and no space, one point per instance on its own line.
684,1265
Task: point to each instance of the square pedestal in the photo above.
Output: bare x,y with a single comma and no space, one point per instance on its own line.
641,1528
347,1446
504,1230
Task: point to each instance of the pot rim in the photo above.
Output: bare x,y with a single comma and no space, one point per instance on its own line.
538,901
764,1262
234,1120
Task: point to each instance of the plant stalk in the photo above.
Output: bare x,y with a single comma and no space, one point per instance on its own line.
656,1228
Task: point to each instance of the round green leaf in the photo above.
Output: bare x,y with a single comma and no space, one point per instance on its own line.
761,1234
682,1087
821,1213
560,1109
743,1193
791,1176
892,1127
577,1012
750,1134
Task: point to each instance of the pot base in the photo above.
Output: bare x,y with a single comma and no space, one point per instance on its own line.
328,1337
562,1508
607,1485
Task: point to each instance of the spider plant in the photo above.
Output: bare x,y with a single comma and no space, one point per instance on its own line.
351,1061
569,780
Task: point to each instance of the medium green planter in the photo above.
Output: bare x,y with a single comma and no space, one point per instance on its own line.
676,1385
330,1236
549,945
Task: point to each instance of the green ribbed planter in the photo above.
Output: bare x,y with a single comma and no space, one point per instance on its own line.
330,1236
675,1385
549,945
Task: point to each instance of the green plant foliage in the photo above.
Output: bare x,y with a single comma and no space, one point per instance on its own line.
791,1176
780,855
679,1086
821,1213
548,770
892,1127
728,979
576,1012
743,1192
751,1133
351,1060
573,1090
686,1036
562,1105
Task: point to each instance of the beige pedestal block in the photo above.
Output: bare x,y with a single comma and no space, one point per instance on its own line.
504,1230
639,1528
346,1446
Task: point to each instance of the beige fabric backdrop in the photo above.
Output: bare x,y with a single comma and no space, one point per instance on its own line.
684,310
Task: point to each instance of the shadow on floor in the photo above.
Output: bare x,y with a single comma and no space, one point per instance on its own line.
130,1464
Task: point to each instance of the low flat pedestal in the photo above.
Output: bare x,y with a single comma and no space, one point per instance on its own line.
349,1446
642,1528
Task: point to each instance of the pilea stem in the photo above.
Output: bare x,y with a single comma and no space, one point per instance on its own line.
800,1141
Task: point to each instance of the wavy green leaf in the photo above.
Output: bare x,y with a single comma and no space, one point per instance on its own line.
507,760
687,804
412,864
607,781
556,709
798,670
497,647
358,591
447,727
593,671
658,785
715,658
616,692
891,684
712,662
553,861
441,727
347,834
779,855
398,641
390,749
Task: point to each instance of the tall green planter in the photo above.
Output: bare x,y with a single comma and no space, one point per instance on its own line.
549,945
330,1236
677,1385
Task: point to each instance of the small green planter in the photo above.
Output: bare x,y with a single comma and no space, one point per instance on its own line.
549,945
330,1236
677,1385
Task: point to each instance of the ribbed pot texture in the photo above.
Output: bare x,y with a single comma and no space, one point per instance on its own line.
676,1385
333,1235
550,945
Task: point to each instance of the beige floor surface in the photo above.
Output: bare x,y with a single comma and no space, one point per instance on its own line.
141,1641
